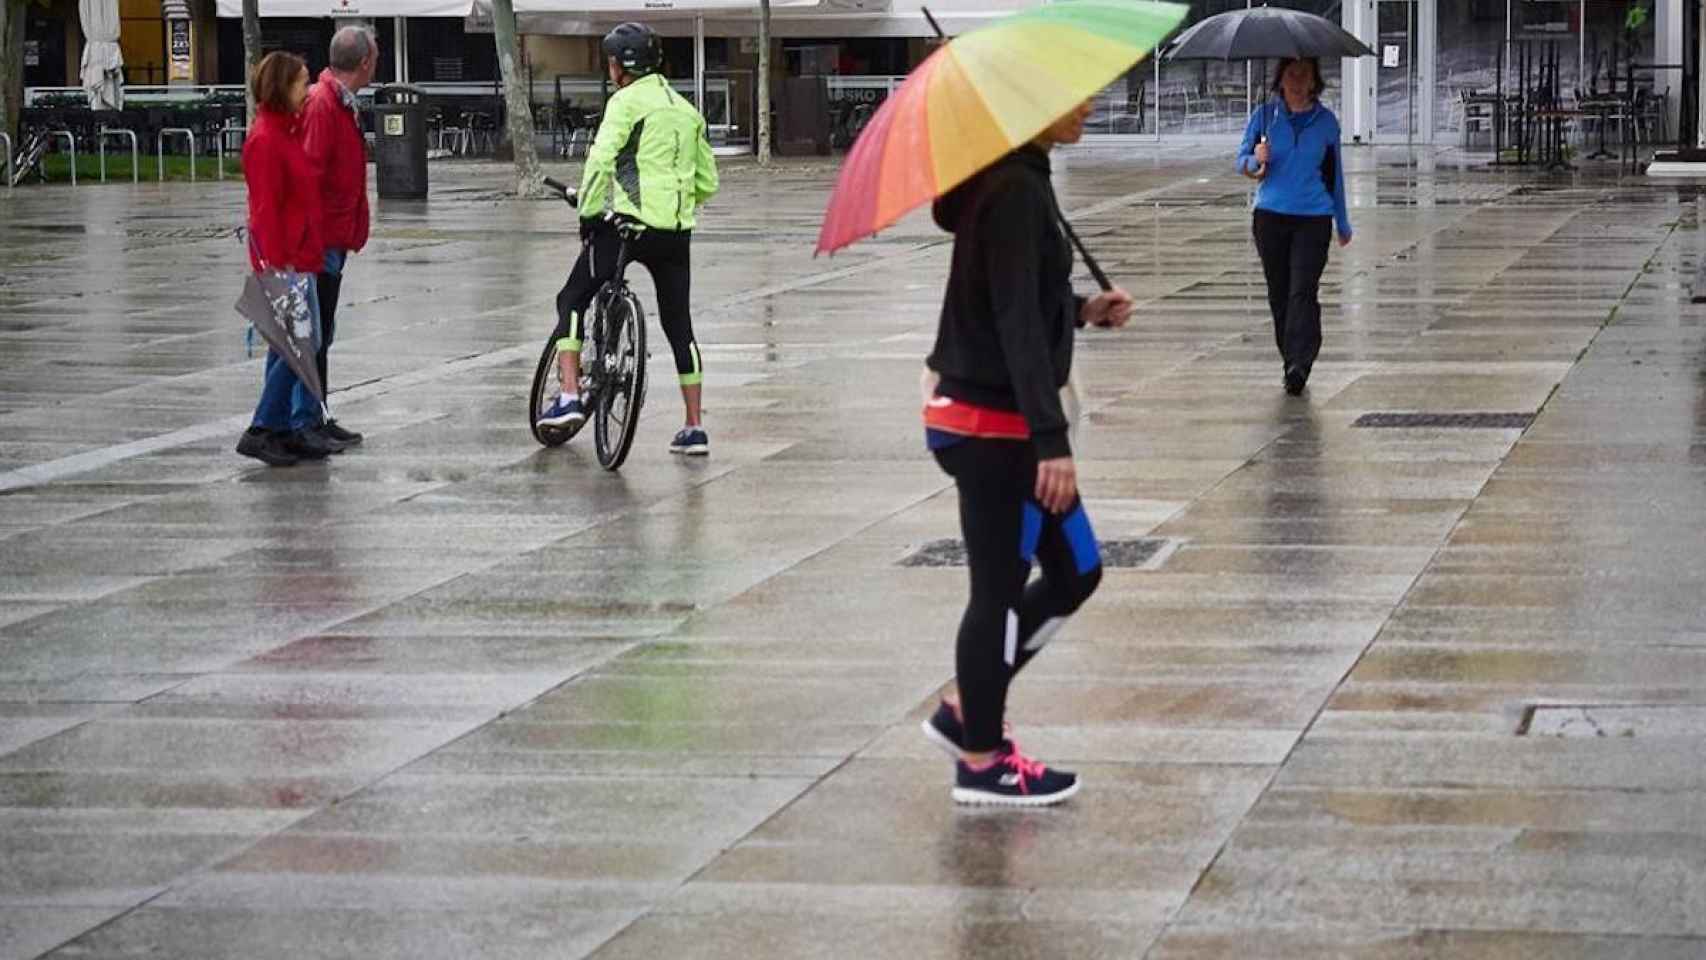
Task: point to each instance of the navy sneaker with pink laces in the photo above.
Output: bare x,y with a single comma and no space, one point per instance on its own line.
1012,779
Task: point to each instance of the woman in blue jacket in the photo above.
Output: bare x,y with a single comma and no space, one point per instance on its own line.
1291,145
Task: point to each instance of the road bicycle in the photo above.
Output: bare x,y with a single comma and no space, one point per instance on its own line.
613,363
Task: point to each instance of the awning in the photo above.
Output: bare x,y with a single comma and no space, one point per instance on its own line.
351,8
789,19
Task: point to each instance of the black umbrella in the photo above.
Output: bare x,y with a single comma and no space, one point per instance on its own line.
1261,33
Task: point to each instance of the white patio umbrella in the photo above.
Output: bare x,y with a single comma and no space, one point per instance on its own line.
103,63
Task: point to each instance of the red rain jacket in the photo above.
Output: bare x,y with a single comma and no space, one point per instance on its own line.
284,196
335,144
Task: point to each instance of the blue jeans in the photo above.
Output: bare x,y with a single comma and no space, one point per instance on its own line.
285,403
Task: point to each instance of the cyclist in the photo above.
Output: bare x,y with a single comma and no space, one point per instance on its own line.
649,166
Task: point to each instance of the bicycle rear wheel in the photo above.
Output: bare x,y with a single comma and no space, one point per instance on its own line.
616,414
547,384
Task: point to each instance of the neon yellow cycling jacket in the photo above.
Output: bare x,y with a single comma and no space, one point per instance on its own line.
650,160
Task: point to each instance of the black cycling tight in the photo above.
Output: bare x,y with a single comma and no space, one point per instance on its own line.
667,254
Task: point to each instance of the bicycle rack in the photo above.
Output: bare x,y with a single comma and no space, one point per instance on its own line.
70,138
160,149
135,152
8,141
224,132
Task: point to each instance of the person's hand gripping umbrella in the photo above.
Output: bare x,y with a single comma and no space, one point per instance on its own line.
981,96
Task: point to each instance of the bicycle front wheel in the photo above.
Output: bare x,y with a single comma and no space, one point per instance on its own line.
616,418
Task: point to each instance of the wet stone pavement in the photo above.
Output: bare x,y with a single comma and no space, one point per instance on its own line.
1386,691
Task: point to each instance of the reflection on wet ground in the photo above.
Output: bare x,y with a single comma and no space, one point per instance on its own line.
1431,689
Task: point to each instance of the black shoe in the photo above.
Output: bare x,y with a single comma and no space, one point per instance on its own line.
333,429
1013,780
332,443
1295,380
267,447
946,729
307,444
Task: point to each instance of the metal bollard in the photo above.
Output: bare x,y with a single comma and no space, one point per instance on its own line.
70,138
223,133
8,140
160,148
135,153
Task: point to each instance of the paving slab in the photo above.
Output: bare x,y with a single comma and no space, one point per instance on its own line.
1392,692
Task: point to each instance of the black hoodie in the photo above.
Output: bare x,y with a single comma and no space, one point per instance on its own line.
1005,338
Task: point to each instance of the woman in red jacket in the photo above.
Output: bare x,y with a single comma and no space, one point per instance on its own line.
284,231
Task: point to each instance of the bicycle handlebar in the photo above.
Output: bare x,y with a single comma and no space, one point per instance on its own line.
568,195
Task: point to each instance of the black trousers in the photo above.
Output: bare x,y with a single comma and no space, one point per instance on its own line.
667,254
1006,622
1294,253
329,285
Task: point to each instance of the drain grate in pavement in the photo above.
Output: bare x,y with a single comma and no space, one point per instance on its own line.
1613,720
1143,553
1460,421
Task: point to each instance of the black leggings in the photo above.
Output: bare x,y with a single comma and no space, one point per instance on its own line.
667,254
1006,623
1294,253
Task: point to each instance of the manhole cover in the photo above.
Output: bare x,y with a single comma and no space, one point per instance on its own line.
1625,720
1141,553
1461,421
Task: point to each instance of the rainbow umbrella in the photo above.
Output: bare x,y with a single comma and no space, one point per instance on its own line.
981,96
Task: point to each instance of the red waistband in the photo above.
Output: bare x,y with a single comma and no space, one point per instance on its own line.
968,420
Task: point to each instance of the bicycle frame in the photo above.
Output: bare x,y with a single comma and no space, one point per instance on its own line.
608,294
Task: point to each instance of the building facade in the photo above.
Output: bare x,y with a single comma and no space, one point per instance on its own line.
1436,56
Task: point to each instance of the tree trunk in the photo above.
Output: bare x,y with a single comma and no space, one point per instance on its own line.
11,65
764,83
251,50
517,103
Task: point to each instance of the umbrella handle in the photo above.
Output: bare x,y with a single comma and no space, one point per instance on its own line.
1089,261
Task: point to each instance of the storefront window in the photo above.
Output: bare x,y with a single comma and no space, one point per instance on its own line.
1197,98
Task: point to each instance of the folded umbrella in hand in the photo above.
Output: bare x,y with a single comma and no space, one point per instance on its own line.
275,302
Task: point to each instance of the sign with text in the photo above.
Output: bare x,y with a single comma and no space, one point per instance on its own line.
180,50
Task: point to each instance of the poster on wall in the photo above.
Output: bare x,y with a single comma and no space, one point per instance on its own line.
181,64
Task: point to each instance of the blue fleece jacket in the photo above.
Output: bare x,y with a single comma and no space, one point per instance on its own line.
1299,145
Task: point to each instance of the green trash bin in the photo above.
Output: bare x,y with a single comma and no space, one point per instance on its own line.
400,142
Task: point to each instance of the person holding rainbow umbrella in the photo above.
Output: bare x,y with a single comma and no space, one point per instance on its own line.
972,129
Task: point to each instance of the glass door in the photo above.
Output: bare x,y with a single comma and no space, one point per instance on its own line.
1404,70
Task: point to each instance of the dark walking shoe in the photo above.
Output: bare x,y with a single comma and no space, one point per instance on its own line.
307,444
267,447
1295,380
946,729
1013,780
563,414
332,443
336,431
691,442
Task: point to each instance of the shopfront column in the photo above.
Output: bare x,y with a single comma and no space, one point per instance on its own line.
1667,43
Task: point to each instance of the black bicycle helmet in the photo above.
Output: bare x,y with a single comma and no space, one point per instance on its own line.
635,47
